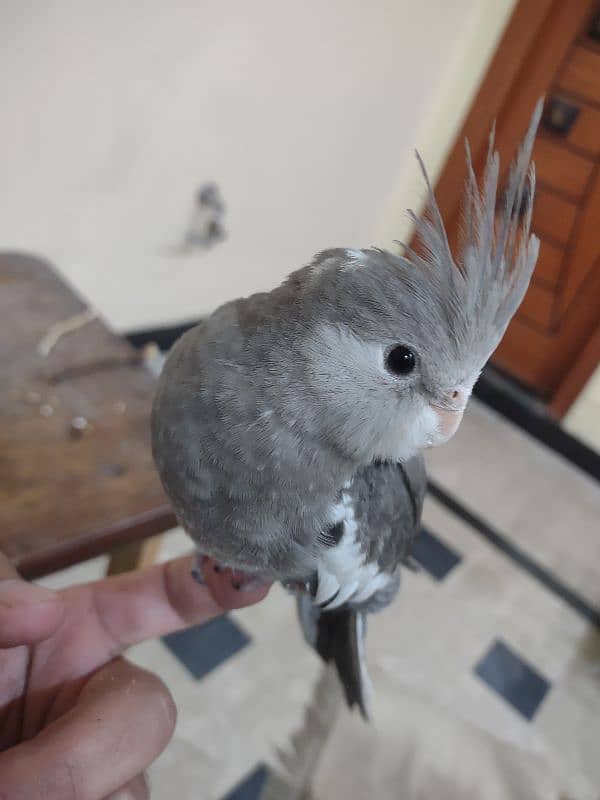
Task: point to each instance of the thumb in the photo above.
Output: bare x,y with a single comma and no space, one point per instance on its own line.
28,613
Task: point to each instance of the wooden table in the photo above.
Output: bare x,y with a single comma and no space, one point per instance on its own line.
76,471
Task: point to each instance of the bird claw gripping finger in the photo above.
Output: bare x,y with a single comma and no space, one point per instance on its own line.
210,573
198,569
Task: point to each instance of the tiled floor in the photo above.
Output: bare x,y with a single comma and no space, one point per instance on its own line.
507,673
486,669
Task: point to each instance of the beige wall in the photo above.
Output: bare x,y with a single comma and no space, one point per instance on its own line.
305,113
583,419
448,102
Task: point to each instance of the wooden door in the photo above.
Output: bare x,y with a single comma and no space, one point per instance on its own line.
550,48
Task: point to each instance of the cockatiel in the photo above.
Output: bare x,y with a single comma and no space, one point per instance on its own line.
288,426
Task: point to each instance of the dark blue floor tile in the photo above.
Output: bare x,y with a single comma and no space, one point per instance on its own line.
516,681
205,647
433,555
250,787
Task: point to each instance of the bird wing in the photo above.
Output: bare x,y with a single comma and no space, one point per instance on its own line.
376,521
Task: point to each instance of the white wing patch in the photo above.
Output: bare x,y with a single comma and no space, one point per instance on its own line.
343,573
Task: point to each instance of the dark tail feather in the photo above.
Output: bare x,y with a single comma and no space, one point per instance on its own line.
338,636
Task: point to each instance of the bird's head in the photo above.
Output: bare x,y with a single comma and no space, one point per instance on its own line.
392,345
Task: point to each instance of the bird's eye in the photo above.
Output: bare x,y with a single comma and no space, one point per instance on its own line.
400,360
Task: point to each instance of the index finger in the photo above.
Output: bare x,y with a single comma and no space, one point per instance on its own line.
156,601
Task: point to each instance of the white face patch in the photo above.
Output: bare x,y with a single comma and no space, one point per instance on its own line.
343,574
411,435
366,411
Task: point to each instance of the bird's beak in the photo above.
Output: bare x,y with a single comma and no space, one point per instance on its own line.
448,422
449,414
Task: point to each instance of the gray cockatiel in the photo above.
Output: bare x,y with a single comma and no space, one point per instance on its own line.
287,427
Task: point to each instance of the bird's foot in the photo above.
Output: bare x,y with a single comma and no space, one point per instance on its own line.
223,582
198,569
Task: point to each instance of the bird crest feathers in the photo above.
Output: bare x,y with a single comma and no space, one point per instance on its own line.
498,254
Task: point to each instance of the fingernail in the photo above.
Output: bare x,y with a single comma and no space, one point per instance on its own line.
14,593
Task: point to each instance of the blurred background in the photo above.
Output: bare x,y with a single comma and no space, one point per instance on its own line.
165,157
305,115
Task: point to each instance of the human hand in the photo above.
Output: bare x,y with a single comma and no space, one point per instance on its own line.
78,721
